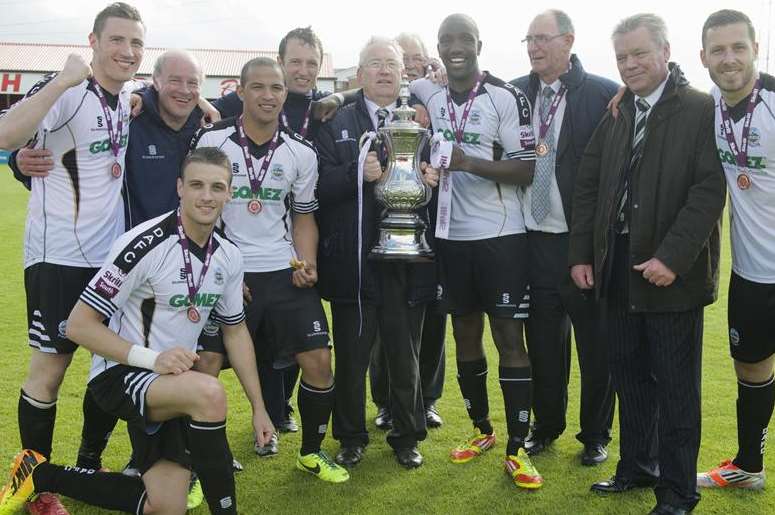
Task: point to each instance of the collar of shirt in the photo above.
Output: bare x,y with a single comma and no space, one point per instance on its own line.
653,98
373,107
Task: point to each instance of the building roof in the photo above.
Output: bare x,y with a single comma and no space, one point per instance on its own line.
33,57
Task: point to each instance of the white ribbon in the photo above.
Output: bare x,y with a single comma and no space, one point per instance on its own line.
441,156
366,140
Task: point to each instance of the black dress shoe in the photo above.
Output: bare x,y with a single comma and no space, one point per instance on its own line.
667,509
618,484
350,456
409,457
384,420
593,454
432,417
535,444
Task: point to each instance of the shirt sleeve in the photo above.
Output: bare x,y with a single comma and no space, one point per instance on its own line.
55,117
229,308
515,131
303,189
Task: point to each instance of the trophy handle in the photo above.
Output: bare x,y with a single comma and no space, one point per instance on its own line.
426,138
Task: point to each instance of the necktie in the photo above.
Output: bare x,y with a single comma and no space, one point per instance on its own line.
637,149
382,116
544,170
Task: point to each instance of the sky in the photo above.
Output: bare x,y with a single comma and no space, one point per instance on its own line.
345,26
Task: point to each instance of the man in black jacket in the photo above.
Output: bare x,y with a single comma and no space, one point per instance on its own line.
579,99
645,235
370,298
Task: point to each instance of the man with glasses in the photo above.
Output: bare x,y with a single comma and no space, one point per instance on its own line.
568,104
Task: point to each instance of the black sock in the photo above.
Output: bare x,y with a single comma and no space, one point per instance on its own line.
36,423
212,460
472,378
97,426
109,490
315,405
516,385
755,402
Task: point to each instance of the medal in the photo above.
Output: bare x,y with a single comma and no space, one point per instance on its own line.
191,311
254,207
193,314
114,136
542,149
743,181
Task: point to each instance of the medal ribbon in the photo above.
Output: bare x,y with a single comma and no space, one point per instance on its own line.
467,109
304,126
547,122
115,137
741,152
367,140
193,289
255,179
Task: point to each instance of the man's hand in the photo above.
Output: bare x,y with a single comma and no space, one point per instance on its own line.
246,296
305,275
430,175
135,105
421,116
436,72
372,170
613,104
582,276
656,272
76,70
458,158
210,113
325,108
262,426
175,361
35,162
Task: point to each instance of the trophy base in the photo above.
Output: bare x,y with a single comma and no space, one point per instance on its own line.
402,238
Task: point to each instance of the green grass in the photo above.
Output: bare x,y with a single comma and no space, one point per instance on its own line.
378,484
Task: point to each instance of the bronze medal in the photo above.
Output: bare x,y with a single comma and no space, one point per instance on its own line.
743,181
115,170
542,149
254,207
193,314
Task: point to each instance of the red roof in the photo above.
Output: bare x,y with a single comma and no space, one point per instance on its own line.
33,57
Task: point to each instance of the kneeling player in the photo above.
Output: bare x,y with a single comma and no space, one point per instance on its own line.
158,298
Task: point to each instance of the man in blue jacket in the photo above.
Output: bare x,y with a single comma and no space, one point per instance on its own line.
567,103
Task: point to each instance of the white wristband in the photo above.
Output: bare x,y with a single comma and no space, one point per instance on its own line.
141,357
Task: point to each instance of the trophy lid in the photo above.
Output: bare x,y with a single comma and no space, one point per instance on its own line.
404,115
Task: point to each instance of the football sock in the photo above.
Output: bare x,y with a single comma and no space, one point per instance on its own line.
109,490
472,378
97,427
211,460
755,402
315,405
516,386
36,423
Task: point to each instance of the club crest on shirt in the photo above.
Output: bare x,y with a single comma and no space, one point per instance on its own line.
218,275
475,118
754,137
277,172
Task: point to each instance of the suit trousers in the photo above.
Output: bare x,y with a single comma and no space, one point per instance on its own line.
555,305
655,361
398,326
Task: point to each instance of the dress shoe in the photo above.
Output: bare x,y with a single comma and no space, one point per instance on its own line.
667,509
383,420
409,457
350,456
432,417
618,484
593,454
535,443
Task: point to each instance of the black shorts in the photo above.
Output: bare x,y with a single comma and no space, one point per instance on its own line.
283,320
751,318
121,391
52,291
485,276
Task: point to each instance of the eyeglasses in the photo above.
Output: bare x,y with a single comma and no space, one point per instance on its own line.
541,39
377,64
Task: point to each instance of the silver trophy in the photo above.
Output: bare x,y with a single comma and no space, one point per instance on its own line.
401,188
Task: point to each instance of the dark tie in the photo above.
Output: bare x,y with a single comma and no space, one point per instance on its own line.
622,218
382,116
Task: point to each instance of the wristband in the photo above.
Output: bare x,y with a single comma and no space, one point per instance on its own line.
141,357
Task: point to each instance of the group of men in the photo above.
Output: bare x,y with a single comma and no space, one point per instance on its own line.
552,213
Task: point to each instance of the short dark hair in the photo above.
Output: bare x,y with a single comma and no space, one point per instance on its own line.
258,62
207,155
116,10
305,34
727,17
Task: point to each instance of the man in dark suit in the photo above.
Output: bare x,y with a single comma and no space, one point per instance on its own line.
647,205
568,104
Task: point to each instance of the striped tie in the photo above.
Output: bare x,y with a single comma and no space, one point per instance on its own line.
544,168
637,149
382,115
